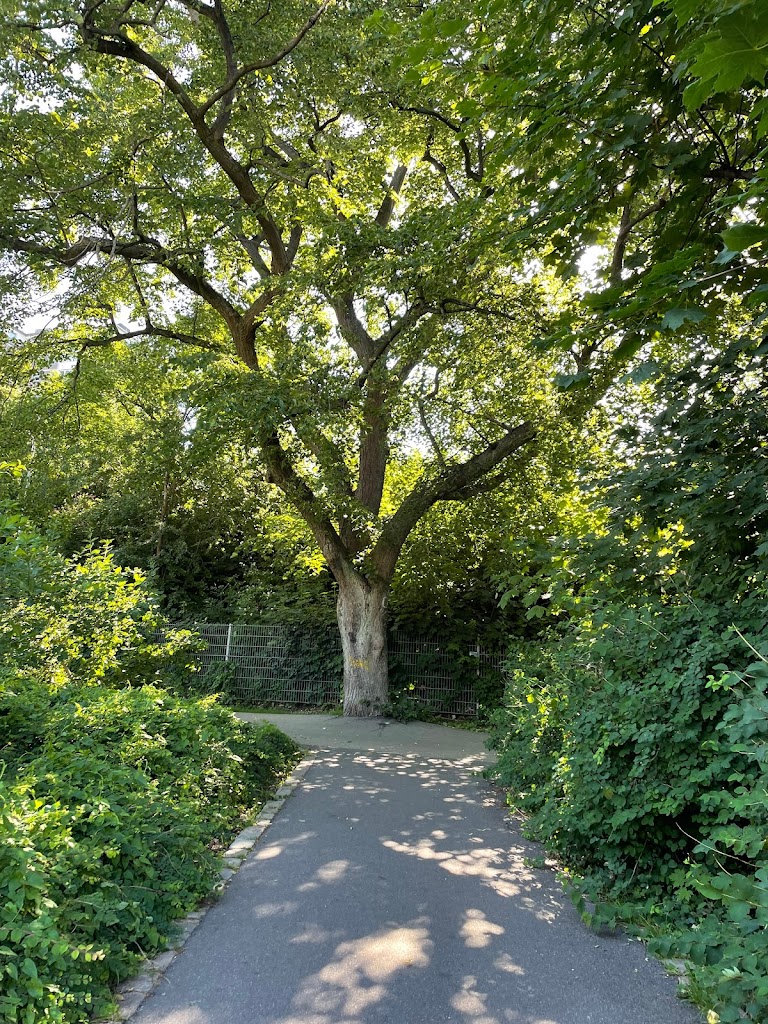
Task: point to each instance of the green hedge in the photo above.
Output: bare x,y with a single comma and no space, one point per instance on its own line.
653,794
634,732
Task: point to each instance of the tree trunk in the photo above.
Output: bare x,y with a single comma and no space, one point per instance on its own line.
362,615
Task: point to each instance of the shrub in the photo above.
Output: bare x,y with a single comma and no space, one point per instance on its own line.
633,734
115,794
729,874
86,619
113,803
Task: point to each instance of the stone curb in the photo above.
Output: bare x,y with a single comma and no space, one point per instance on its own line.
678,968
131,994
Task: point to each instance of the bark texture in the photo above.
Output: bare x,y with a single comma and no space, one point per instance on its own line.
362,615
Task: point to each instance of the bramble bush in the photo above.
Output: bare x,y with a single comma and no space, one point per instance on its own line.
114,797
727,944
653,794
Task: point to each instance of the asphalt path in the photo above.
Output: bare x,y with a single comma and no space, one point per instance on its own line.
391,890
383,736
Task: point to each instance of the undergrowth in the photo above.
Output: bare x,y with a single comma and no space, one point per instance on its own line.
114,798
634,730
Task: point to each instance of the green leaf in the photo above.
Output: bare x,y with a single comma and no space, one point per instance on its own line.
675,318
572,381
725,256
453,26
628,347
735,51
744,236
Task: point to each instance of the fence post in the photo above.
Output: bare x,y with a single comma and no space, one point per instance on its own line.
476,654
229,642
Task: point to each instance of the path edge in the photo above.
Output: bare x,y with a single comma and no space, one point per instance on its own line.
130,994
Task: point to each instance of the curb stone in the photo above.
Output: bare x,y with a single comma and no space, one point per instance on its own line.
678,968
130,994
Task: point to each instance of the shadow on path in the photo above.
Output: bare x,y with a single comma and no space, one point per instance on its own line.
388,889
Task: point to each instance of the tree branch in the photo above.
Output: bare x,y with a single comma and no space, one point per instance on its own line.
221,122
293,243
453,483
352,329
387,207
428,112
382,344
283,474
144,251
471,173
257,307
443,171
251,246
150,330
118,45
626,226
261,65
425,422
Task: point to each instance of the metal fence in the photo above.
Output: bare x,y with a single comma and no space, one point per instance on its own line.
275,664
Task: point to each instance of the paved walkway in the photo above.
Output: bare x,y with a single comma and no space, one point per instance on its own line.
384,736
389,891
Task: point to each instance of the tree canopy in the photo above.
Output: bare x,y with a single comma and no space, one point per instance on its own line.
205,176
464,302
639,129
373,221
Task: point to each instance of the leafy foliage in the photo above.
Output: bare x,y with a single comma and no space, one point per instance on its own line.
89,620
635,751
127,448
328,244
730,870
110,803
114,793
631,140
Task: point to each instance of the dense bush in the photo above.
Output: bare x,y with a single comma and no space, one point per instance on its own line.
730,873
633,733
654,797
611,754
114,799
87,619
113,804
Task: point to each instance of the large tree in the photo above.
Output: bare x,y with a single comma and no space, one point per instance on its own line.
260,183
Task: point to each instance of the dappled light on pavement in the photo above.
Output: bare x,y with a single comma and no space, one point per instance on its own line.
333,871
477,930
358,974
391,890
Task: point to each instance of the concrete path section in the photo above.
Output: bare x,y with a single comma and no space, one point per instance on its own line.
389,890
332,732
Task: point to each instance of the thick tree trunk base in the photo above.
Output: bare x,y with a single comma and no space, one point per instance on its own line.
362,613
